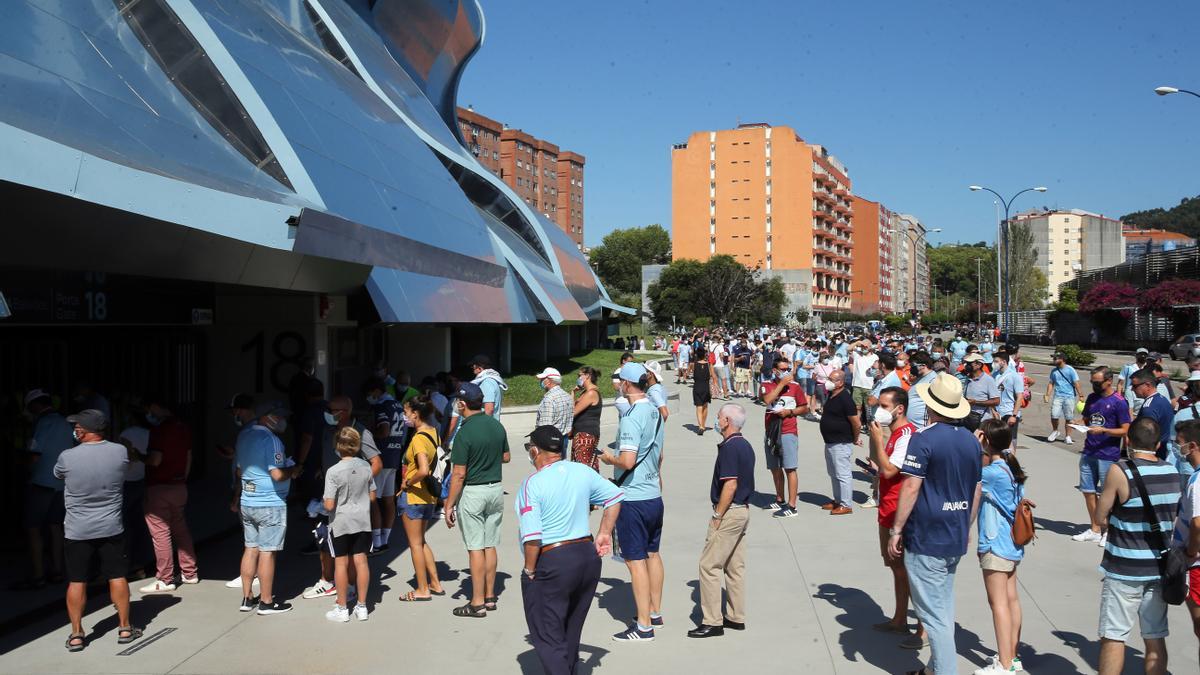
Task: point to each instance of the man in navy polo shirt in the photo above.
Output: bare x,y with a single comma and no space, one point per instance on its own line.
938,503
639,525
1154,405
724,547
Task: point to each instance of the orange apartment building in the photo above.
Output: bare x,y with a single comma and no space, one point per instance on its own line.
548,179
763,195
873,258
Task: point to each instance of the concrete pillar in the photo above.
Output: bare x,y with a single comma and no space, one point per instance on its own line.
504,362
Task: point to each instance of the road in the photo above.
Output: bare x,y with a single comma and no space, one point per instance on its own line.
816,584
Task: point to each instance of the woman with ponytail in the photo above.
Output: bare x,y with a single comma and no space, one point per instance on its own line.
1003,487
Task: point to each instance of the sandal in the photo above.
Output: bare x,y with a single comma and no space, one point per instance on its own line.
76,647
437,593
128,634
490,603
472,611
412,597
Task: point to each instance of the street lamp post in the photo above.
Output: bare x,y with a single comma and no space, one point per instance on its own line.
1006,292
979,294
1166,91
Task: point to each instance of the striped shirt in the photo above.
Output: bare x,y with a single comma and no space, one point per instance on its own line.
1128,554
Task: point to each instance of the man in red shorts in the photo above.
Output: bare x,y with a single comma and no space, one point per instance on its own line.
890,433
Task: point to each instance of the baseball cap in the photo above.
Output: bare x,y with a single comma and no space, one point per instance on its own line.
632,371
1154,356
481,360
91,420
470,392
271,408
549,372
547,437
1142,350
654,367
35,394
240,401
972,357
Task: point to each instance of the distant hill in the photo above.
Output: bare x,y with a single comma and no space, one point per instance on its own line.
1184,219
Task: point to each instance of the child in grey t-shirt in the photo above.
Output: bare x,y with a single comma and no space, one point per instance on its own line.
349,491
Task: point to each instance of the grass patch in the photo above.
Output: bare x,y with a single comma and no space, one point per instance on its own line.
524,388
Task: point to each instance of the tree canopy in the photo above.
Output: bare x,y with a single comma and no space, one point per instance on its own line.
1184,218
619,258
720,289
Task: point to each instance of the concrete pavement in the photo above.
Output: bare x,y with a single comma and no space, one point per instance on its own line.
816,584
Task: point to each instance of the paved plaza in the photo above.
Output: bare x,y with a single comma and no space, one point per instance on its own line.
815,587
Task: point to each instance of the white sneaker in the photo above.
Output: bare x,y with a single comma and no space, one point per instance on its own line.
190,580
360,612
236,582
321,589
1069,440
1102,540
993,668
870,503
338,614
1052,437
1087,535
157,586
1017,666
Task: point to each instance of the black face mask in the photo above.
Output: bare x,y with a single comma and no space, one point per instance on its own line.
1098,387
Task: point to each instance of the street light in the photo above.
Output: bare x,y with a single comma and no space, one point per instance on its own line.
1006,291
1163,91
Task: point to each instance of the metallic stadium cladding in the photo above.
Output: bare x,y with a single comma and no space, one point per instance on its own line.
294,144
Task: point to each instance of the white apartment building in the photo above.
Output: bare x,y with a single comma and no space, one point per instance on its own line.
1072,241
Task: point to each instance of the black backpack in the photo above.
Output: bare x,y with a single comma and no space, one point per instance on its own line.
774,436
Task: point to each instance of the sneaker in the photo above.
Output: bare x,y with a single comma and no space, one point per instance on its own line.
321,589
277,607
338,614
785,512
1052,437
1103,540
360,612
994,667
249,604
870,503
157,586
1016,665
657,621
1087,535
191,581
774,506
632,634
236,582
382,548
1069,440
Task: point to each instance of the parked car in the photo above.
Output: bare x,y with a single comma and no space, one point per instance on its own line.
1188,345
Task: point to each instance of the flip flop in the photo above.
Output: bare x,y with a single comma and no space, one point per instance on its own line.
76,636
410,597
472,611
437,593
128,634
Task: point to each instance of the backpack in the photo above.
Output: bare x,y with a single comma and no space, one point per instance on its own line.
440,468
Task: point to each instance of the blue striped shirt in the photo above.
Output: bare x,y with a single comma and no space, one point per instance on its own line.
1128,553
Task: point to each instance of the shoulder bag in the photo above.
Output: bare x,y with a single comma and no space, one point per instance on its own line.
1172,562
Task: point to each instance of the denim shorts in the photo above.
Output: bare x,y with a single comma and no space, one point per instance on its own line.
1092,471
789,457
264,527
415,511
1062,409
1121,601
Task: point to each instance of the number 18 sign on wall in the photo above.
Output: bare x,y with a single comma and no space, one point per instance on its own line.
101,298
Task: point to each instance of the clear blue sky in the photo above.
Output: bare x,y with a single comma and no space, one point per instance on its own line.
918,99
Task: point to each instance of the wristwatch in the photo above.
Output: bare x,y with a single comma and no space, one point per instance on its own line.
893,532
528,573
716,516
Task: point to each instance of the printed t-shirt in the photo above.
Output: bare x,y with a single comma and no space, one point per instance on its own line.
640,432
1109,412
949,461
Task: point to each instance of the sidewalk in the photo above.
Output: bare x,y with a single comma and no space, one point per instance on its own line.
816,584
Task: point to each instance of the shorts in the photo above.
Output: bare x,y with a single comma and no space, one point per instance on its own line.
1092,471
639,528
79,555
385,484
883,552
1121,600
350,544
44,506
264,527
1062,409
860,395
415,511
809,385
480,512
789,455
991,562
1194,585
742,376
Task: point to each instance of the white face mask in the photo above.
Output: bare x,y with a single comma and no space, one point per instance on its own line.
532,459
883,417
717,427
830,385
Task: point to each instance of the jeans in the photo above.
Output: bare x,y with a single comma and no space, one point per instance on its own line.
837,463
931,581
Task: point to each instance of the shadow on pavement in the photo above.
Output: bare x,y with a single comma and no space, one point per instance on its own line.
1088,650
143,610
1058,526
617,600
529,663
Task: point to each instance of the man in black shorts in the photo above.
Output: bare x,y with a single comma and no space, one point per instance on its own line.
93,473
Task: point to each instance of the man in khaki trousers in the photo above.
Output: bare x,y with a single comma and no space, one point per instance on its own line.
724,547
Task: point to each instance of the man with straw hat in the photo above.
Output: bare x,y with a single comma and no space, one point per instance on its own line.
938,503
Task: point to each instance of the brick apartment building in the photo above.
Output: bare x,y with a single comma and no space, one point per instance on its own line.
763,195
547,178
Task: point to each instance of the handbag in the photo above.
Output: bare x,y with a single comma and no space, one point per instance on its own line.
1172,562
625,476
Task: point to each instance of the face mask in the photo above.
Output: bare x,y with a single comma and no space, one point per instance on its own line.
883,417
237,421
902,364
1098,387
579,382
75,435
153,420
330,419
389,381
830,385
533,459
936,355
825,361
717,427
998,366
372,400
279,426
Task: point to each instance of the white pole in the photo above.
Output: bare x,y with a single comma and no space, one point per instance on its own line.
999,300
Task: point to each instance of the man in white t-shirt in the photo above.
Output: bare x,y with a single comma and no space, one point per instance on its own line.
862,370
719,355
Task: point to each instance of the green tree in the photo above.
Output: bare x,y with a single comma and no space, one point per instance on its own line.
619,258
1184,218
673,294
721,289
1027,283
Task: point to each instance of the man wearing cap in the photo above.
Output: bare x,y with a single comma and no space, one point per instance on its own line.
93,474
1064,386
637,466
168,465
939,500
657,393
557,407
44,499
724,546
561,559
265,474
490,382
981,390
1155,405
1125,379
480,450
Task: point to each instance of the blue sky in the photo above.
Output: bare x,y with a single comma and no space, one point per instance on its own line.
918,99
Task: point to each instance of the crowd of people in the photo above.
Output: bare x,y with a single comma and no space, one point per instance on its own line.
934,424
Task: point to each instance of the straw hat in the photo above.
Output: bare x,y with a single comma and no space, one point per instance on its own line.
945,396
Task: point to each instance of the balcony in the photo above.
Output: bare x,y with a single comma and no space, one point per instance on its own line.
825,197
841,191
